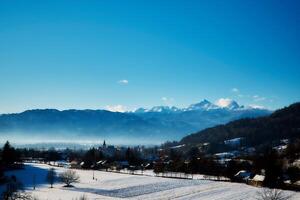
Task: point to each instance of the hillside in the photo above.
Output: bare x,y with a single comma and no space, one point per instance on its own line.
282,124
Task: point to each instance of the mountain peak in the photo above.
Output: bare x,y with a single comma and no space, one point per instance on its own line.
165,109
141,110
228,103
202,105
233,105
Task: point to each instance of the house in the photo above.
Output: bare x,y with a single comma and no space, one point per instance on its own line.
235,142
81,164
280,148
242,175
75,164
102,164
224,155
257,180
296,163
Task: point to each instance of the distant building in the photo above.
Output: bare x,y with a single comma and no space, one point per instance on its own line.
235,142
224,155
257,180
75,164
243,175
296,163
280,148
107,150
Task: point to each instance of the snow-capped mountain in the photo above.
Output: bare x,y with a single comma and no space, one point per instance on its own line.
203,105
164,109
231,104
156,124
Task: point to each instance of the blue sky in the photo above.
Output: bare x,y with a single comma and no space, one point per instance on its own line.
99,54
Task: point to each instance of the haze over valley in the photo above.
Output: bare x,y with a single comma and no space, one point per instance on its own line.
151,100
142,126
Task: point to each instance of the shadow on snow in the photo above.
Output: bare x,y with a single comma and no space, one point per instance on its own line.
30,176
140,189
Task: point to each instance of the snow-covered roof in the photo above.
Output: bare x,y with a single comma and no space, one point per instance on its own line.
233,141
258,178
101,162
178,146
243,174
280,147
224,154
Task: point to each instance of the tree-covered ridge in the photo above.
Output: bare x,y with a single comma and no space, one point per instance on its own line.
282,124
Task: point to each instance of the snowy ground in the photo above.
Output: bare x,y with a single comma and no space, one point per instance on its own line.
110,185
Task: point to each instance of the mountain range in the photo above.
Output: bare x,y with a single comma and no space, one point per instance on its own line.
142,126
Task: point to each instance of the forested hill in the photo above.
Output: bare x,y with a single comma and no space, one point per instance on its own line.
282,124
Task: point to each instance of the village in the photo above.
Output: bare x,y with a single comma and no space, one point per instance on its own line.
166,162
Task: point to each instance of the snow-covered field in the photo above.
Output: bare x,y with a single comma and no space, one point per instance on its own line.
108,185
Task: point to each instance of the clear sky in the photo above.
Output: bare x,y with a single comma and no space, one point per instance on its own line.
100,54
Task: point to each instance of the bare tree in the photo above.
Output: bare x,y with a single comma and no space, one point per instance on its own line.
69,177
272,194
83,197
20,196
51,176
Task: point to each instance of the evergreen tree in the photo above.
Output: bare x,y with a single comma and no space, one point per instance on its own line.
294,174
91,157
132,157
194,157
9,155
273,169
